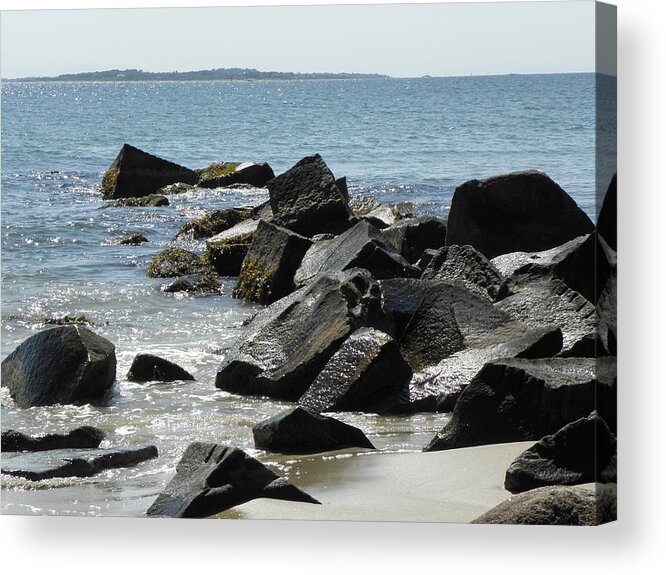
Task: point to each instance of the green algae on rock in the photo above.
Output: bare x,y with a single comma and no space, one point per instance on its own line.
212,223
174,262
254,282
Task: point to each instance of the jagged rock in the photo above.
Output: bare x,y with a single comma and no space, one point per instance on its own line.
607,221
267,272
580,452
175,262
521,211
211,478
299,430
285,346
135,173
580,263
342,186
307,200
197,283
68,364
410,237
81,437
426,258
226,251
367,374
606,311
359,247
212,223
74,463
148,367
132,239
522,400
363,205
177,188
223,174
467,265
548,301
148,201
579,505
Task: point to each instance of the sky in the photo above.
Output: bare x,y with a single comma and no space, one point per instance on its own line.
396,39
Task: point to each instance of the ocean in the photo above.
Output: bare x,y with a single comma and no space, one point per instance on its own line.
399,140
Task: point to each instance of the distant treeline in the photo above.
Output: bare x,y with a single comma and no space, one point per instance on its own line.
216,74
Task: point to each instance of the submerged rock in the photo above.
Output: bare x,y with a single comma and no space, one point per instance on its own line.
517,212
580,505
212,224
68,364
148,367
81,437
74,463
135,173
149,201
285,346
134,239
521,400
175,262
223,174
196,283
411,237
307,200
580,452
299,430
211,478
177,188
367,374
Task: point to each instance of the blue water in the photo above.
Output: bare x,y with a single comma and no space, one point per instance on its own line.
406,140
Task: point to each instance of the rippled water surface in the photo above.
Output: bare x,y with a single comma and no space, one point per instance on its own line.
399,140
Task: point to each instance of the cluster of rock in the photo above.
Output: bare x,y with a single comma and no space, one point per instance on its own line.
505,316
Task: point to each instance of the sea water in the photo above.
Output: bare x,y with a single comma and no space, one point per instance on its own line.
398,140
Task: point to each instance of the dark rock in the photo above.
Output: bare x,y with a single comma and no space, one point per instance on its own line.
174,262
267,272
307,200
285,346
299,430
577,453
467,265
426,258
78,438
517,212
68,364
263,211
211,478
135,173
177,188
362,205
212,223
149,201
148,367
580,505
580,263
132,239
410,237
342,186
197,283
226,251
548,301
521,400
67,319
220,175
74,463
606,310
359,247
367,374
607,221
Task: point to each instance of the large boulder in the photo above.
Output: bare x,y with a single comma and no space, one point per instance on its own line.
222,174
581,264
211,478
307,200
579,505
580,452
299,430
81,437
607,221
68,364
467,265
268,270
212,223
359,247
517,212
606,311
539,302
367,374
226,251
74,463
521,400
135,173
175,262
149,367
285,346
410,237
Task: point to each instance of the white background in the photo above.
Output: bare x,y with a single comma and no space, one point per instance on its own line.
635,544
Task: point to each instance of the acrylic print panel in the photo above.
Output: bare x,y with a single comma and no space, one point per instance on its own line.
320,275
